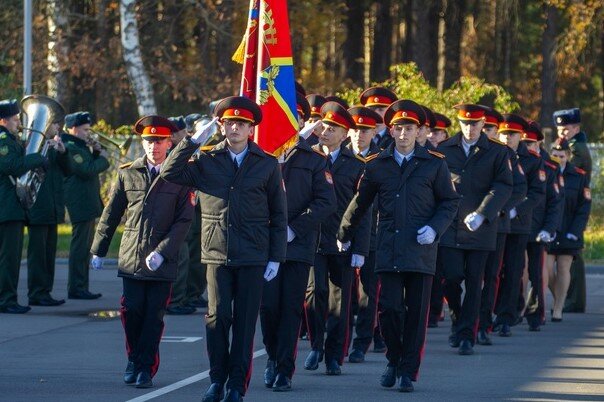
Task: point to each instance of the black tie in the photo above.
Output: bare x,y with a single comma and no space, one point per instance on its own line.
404,165
329,162
471,151
235,164
153,174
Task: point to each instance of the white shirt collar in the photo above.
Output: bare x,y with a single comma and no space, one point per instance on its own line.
466,145
157,167
398,157
240,156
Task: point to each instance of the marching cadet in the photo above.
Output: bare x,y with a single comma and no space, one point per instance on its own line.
333,270
439,133
495,259
315,103
42,220
13,163
244,235
158,218
482,176
417,202
310,200
378,99
546,219
82,199
424,131
568,123
569,237
511,130
365,288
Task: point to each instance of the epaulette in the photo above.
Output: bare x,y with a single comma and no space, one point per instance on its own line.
319,152
359,157
496,141
437,154
581,171
551,165
534,153
371,157
125,165
206,148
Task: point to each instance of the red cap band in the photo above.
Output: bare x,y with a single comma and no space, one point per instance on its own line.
530,136
491,120
510,126
152,131
238,114
378,101
336,119
440,125
364,121
470,115
404,115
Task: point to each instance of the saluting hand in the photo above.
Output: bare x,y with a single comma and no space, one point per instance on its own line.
204,132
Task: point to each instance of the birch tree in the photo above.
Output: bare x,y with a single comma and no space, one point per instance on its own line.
139,79
58,51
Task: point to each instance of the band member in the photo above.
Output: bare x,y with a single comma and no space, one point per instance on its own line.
511,130
315,102
417,202
310,200
13,163
82,198
244,235
378,99
569,237
439,133
482,176
42,220
332,271
365,286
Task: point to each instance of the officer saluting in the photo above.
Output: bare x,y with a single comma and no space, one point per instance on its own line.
417,203
13,163
482,176
244,235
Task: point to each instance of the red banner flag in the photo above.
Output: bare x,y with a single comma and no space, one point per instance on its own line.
268,74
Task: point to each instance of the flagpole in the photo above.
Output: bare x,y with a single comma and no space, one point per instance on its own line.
27,39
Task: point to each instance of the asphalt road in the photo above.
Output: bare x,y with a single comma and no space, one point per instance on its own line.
64,354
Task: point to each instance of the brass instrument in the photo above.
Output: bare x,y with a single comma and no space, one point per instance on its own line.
40,113
107,143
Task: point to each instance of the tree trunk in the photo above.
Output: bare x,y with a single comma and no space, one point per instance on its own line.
440,65
424,34
382,41
353,45
103,98
139,79
548,69
58,51
454,20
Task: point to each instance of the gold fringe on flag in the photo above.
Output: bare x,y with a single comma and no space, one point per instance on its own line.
239,55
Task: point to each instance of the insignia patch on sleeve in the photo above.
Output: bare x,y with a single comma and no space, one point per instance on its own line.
328,177
78,158
541,175
3,151
587,193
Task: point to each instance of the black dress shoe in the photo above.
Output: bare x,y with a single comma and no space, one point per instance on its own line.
534,327
313,359
505,330
46,302
356,356
15,309
84,295
213,393
232,396
454,341
270,372
332,367
518,321
129,373
483,338
554,319
388,378
143,380
282,383
180,310
378,345
405,384
465,348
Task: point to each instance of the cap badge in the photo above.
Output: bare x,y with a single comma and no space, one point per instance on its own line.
404,114
376,99
360,119
507,125
153,130
314,109
236,112
559,119
468,114
329,115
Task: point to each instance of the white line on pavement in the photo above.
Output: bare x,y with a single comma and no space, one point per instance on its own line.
183,383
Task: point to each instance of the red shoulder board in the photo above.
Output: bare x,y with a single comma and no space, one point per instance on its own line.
579,170
534,153
551,165
437,154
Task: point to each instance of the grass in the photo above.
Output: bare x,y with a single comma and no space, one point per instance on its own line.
64,239
594,246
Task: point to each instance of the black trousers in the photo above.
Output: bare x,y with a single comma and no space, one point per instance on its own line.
330,301
11,243
41,254
79,256
366,311
576,295
143,307
234,295
438,290
464,266
281,314
535,306
405,299
491,284
179,288
511,279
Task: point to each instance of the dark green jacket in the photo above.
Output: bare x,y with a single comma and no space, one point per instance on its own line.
49,208
13,163
581,157
82,186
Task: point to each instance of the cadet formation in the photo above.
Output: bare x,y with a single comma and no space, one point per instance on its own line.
358,234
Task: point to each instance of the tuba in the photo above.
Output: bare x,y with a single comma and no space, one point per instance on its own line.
40,112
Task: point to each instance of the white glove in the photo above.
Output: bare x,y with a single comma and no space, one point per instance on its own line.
290,235
154,260
96,262
426,235
204,132
473,221
544,237
572,237
513,213
272,268
342,247
357,261
309,128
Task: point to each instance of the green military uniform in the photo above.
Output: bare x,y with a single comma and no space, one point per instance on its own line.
84,205
42,220
13,163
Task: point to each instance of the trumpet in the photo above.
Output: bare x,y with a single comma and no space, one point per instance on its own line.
107,142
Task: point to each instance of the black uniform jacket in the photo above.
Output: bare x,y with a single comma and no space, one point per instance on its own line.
548,216
518,192
577,205
422,195
243,211
534,171
384,139
158,216
346,173
310,199
483,180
